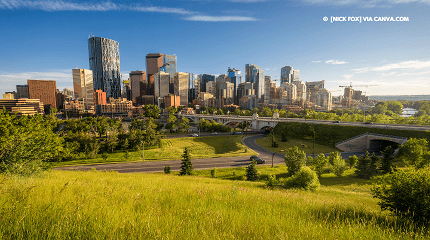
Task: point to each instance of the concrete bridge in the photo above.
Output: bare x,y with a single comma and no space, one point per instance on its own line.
256,122
371,142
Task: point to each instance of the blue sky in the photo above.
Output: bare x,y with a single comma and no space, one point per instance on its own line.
45,39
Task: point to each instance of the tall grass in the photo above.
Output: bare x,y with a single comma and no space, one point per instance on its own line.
109,205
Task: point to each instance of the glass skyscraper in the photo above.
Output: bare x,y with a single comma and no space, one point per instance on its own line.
104,62
256,76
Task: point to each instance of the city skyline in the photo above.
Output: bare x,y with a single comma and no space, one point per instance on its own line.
47,39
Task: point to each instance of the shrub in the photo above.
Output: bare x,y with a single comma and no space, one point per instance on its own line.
352,161
339,166
213,172
167,169
405,193
271,181
319,163
105,156
251,172
294,159
304,179
126,155
387,160
366,166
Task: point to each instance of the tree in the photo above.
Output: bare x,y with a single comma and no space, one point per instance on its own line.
151,111
319,163
339,166
362,166
334,156
171,120
387,160
27,144
395,106
294,159
405,193
251,172
112,141
413,152
352,161
186,164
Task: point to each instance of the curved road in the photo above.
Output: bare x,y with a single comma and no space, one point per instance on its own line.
198,164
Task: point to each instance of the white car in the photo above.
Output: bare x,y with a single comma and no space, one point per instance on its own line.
194,135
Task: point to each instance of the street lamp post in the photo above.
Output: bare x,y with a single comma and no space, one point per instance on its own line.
273,155
143,151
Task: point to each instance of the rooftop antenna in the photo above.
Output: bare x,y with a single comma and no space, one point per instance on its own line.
76,67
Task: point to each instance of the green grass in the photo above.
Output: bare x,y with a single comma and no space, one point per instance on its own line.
266,142
99,205
172,149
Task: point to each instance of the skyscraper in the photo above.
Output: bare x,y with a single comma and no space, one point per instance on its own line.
256,76
138,85
83,86
235,78
104,62
169,64
180,82
287,74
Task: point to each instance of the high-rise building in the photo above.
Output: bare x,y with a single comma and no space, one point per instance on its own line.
45,91
256,76
22,91
180,82
104,62
154,61
296,75
161,86
287,73
204,79
83,86
312,90
235,77
211,88
192,87
169,65
138,85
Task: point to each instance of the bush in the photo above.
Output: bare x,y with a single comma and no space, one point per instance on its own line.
339,166
213,172
105,156
352,161
271,181
167,169
251,172
319,163
387,160
405,193
294,159
304,179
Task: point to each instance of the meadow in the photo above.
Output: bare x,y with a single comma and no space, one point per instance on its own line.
305,145
173,148
109,205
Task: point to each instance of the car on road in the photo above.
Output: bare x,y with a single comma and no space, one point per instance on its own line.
368,123
194,135
214,133
336,121
257,159
236,133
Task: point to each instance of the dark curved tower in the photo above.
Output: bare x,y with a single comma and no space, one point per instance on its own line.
104,62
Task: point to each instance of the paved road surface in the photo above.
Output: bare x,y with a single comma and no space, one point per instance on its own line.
198,164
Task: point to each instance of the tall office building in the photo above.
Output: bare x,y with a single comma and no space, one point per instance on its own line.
192,87
83,86
161,86
180,82
256,76
154,61
235,78
296,75
287,73
45,91
204,79
169,65
138,85
104,62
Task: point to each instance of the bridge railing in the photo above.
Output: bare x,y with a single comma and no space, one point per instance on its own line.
350,139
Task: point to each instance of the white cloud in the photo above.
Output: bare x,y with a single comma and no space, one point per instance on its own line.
205,18
336,62
364,3
316,61
59,5
407,65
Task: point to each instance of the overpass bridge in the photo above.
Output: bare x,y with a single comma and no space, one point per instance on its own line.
367,141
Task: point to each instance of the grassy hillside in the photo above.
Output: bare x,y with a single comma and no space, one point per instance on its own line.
172,149
98,205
